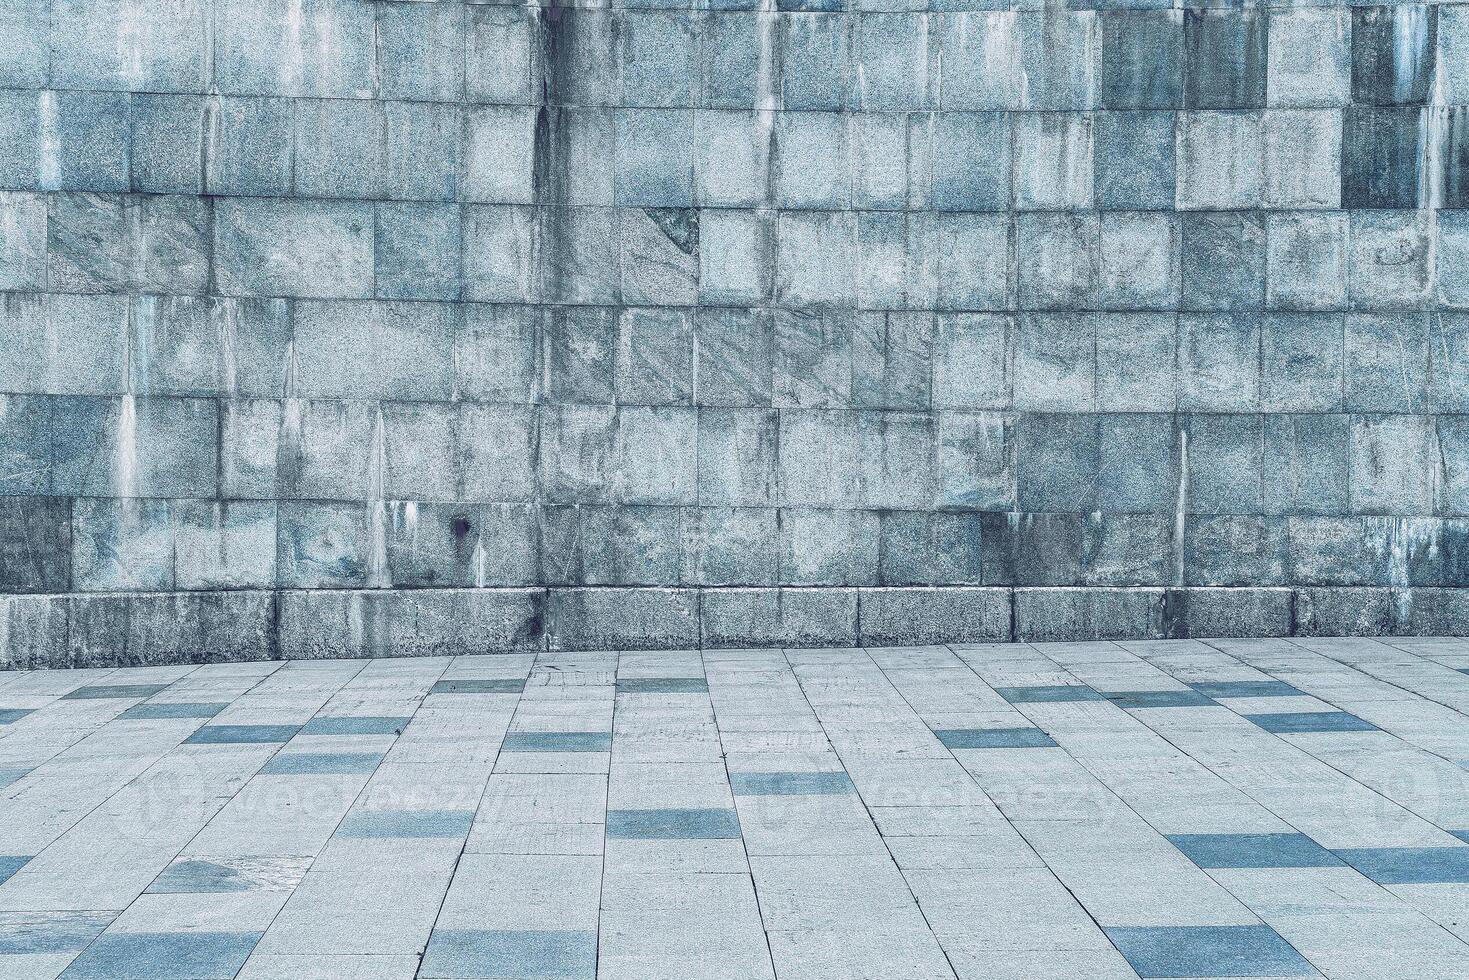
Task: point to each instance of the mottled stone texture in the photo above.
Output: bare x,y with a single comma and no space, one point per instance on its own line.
343,327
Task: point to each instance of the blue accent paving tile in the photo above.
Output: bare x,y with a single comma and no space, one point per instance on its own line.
1209,951
9,865
1253,851
672,824
1463,835
995,738
197,955
1246,689
152,711
406,823
510,955
8,776
322,763
242,734
480,685
557,742
8,715
347,725
1055,693
49,932
1158,699
1410,865
663,685
98,691
1295,723
790,783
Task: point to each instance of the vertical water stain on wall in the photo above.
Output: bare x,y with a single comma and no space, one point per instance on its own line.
346,327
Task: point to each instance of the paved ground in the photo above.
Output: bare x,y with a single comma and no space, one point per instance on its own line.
1231,808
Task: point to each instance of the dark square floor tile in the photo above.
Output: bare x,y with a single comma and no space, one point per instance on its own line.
155,710
790,783
1301,722
662,685
1253,851
1246,689
1158,699
480,685
242,734
1410,865
350,725
1209,951
470,954
97,692
705,824
197,955
557,742
994,738
1048,694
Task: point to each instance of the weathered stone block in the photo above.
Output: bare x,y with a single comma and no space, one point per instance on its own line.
947,615
779,617
622,619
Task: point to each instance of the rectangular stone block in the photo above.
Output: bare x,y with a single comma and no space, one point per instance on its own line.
35,544
460,545
395,350
778,617
123,546
25,44
329,545
85,141
622,619
1219,362
1301,362
1225,59
33,632
1306,255
501,57
975,461
1142,59
1219,160
1057,462
736,256
1089,613
828,547
25,445
1136,361
339,145
1133,163
732,545
169,628
168,143
1386,363
1306,463
735,353
1310,57
427,622
575,454
496,354
225,545
277,247
250,144
328,450
894,617
315,48
421,51
1225,464
115,45
1231,612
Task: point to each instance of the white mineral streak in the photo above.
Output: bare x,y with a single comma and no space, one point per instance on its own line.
50,149
292,67
1180,509
132,31
377,561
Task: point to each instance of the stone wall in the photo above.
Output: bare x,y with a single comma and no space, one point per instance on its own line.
338,327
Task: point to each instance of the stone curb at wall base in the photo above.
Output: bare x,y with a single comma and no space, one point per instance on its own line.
132,629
